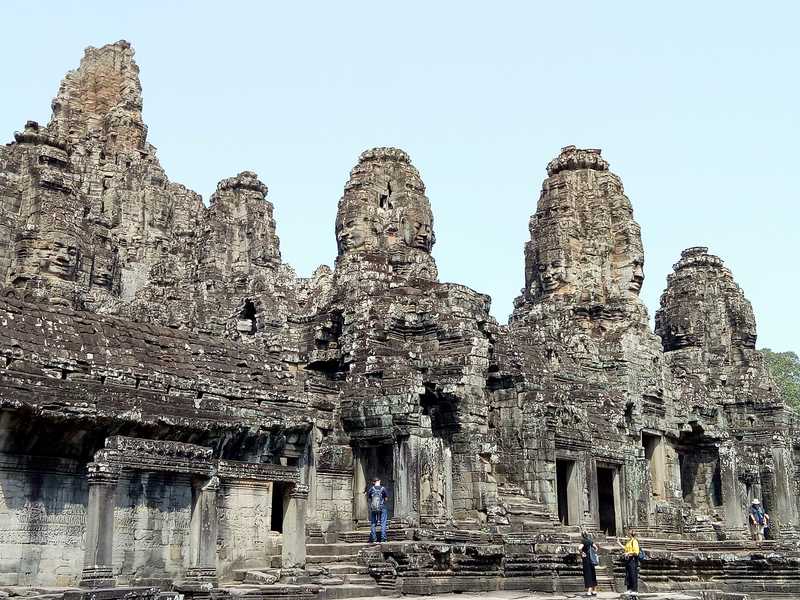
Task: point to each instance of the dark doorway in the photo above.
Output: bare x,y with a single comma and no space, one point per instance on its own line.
605,500
563,474
373,461
278,506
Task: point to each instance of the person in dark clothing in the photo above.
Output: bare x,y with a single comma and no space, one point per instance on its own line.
376,502
588,551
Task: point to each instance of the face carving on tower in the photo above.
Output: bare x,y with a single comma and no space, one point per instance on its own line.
417,229
584,242
105,267
703,307
55,257
60,260
384,212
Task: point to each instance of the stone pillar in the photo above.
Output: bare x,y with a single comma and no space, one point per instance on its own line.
203,535
308,473
735,505
360,511
783,513
97,560
403,469
294,529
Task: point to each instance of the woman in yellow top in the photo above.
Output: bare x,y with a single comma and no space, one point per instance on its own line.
631,550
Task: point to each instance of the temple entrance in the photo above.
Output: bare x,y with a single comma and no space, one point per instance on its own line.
568,492
279,504
605,500
373,461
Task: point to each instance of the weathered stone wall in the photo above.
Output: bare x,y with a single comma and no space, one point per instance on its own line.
42,520
245,538
334,506
151,527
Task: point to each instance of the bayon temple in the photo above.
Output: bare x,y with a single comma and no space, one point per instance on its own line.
179,412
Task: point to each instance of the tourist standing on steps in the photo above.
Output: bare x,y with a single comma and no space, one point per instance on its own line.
588,551
376,501
758,521
632,552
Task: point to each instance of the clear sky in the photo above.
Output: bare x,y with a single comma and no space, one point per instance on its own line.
695,105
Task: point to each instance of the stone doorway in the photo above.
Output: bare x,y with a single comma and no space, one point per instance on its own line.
279,504
372,461
568,492
607,508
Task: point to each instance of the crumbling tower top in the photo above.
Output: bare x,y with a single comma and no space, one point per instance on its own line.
384,216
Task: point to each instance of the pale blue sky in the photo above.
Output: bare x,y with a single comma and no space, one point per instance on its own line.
695,105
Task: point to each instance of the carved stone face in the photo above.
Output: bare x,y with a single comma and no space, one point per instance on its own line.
551,274
349,236
356,226
632,274
60,259
584,241
104,269
164,272
417,229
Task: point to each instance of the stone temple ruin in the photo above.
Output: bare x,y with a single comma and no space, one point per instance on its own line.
180,411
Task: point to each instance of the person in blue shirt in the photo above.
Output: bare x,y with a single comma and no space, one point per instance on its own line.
376,502
758,520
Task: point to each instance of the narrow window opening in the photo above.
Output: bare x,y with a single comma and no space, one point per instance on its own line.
278,506
246,323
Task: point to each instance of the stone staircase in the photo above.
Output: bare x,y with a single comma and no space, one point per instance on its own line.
345,576
332,572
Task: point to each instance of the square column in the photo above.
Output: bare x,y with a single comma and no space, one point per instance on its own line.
405,473
294,529
97,561
203,535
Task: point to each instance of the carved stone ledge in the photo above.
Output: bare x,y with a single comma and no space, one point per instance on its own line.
97,576
102,473
299,492
197,575
158,447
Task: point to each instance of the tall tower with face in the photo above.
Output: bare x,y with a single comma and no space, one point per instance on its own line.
385,217
704,308
585,245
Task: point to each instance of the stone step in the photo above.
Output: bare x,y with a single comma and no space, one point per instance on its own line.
261,577
336,549
359,580
361,536
340,592
327,558
340,569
